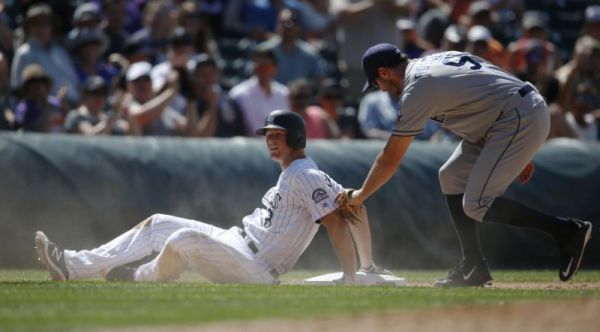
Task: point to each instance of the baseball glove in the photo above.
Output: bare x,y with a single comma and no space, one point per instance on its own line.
349,209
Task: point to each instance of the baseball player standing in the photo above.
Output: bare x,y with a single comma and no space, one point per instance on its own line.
502,121
268,244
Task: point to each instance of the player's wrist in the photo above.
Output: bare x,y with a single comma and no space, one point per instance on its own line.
357,196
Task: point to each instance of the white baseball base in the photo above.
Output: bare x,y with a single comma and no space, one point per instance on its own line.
365,279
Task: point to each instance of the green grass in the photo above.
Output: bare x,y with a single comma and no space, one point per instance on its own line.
29,302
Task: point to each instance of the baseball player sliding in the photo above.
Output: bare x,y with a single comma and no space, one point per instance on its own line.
502,121
268,244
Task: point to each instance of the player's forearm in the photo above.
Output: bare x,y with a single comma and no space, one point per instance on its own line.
385,166
381,172
361,234
341,240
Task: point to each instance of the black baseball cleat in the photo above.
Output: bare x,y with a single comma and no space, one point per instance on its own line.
467,275
572,247
126,272
121,273
51,256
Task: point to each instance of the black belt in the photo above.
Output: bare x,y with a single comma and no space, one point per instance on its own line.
254,250
249,242
525,90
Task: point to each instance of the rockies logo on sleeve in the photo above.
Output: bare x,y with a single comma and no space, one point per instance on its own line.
319,195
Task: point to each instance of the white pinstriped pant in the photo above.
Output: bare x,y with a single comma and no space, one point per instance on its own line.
219,255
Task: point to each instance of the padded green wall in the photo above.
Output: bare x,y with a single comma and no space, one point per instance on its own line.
84,191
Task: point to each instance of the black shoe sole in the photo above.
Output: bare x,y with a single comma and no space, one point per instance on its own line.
588,236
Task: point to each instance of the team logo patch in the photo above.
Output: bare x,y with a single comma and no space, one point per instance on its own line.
319,195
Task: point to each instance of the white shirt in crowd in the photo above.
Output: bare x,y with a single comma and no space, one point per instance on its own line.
255,104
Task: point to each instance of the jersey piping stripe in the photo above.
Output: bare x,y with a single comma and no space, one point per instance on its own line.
500,157
407,133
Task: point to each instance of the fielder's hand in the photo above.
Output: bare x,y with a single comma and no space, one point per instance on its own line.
350,207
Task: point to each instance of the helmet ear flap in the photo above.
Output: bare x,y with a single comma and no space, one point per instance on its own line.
296,139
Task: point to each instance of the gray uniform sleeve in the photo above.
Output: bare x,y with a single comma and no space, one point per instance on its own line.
414,110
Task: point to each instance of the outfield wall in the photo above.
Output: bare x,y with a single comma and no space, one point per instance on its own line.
83,191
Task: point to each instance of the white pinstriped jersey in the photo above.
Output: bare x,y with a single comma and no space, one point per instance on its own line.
286,224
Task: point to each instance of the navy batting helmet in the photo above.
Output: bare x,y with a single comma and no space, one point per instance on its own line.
291,122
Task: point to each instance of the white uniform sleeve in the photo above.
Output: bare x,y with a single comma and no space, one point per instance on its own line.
414,110
317,191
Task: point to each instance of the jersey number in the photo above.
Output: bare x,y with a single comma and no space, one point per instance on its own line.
463,60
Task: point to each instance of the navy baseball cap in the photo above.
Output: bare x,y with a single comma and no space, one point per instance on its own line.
380,55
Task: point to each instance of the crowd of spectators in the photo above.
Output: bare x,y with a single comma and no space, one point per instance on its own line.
209,68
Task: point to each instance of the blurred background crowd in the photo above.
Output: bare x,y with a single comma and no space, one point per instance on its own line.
215,68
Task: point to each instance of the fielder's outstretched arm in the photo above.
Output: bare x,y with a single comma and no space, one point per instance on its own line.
341,239
384,167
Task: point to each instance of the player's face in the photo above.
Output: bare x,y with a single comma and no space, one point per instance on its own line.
390,80
277,144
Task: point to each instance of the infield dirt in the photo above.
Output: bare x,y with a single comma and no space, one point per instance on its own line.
570,315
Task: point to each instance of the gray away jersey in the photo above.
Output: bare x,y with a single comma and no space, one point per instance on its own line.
286,224
462,91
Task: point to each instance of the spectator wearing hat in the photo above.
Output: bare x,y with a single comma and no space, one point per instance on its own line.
38,110
87,46
480,42
592,22
41,48
257,96
412,45
151,111
455,38
534,28
212,114
482,13
296,58
134,50
87,16
90,119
